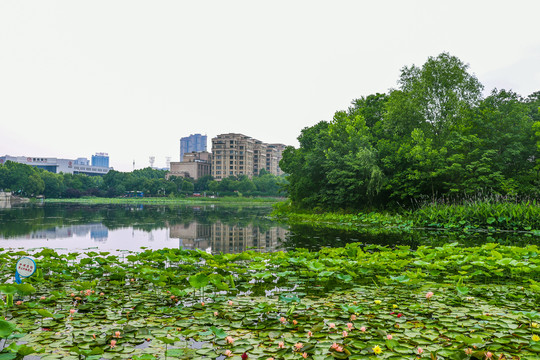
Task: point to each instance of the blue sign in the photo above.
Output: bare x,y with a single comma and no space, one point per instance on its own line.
25,267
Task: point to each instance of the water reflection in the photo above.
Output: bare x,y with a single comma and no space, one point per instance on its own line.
215,229
228,238
209,228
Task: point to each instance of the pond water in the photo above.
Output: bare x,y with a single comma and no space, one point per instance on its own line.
211,228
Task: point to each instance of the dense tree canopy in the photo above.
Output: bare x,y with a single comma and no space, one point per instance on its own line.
26,180
434,136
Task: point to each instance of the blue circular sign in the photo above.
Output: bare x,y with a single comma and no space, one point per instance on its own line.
25,267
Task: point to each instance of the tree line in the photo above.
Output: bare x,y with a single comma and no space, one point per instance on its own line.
29,181
434,136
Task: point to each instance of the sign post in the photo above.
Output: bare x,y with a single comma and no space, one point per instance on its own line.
25,267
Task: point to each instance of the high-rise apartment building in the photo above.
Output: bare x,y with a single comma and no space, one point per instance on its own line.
232,155
192,143
274,153
238,154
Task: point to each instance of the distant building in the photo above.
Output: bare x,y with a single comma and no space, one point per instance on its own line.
57,166
192,143
232,156
195,165
274,153
100,159
238,154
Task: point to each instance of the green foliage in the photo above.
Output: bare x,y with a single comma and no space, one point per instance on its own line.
445,300
432,137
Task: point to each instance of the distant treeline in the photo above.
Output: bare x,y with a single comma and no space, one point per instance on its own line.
433,137
29,181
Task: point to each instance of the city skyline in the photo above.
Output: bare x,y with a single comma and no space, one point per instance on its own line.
130,78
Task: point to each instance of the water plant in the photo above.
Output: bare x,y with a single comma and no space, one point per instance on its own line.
358,301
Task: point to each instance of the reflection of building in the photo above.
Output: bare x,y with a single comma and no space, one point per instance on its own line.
237,154
195,165
220,237
98,232
192,143
55,165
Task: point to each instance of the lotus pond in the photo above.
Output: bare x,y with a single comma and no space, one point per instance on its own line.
463,296
353,302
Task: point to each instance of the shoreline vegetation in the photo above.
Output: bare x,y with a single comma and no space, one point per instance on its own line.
227,200
483,215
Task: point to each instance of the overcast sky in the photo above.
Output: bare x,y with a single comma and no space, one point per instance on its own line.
131,78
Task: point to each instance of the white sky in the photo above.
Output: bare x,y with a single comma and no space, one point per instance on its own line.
132,77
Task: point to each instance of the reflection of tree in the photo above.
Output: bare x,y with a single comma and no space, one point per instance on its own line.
314,238
26,219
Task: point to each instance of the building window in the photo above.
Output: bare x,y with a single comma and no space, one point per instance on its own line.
231,157
231,162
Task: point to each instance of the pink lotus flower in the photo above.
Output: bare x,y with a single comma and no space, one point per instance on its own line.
229,340
216,313
281,345
283,320
18,302
295,322
350,326
42,298
489,355
389,337
468,351
72,311
228,353
332,325
113,343
230,302
304,355
298,346
270,358
334,346
353,317
429,295
344,333
419,350
399,315
117,334
202,303
363,329
309,334
101,293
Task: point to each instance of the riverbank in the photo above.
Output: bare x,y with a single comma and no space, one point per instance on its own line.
170,200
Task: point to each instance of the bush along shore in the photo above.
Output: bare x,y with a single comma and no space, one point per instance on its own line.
468,216
355,302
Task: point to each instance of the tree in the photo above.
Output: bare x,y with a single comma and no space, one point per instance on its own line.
433,98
